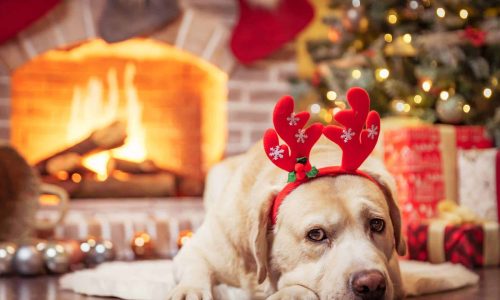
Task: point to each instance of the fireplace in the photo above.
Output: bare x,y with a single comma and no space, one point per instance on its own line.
201,35
172,105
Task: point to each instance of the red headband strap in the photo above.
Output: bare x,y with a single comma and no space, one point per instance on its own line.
323,172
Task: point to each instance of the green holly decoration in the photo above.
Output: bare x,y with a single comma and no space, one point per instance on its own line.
312,173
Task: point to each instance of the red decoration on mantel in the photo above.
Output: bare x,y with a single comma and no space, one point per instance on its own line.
355,141
259,31
16,15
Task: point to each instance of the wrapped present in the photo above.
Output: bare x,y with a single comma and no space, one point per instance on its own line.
470,137
458,236
423,161
479,182
413,156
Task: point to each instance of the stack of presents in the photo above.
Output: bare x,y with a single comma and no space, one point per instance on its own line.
448,181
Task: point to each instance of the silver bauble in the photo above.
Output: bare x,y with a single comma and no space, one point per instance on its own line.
354,20
28,260
7,252
451,111
56,258
102,251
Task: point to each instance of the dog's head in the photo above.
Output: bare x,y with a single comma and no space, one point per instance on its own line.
336,236
337,231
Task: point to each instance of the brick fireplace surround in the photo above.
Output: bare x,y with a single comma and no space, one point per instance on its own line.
203,29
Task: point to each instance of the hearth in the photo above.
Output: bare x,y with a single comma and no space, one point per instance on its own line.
136,118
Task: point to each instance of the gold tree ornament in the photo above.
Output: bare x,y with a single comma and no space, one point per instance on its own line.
143,246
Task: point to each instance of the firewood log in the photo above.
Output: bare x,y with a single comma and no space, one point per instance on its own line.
109,137
189,187
69,163
145,167
136,185
185,185
64,162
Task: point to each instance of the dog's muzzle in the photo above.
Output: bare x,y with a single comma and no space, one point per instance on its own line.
368,285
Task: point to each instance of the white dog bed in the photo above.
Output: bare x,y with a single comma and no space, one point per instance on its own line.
154,279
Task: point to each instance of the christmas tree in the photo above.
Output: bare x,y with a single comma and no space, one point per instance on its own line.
436,60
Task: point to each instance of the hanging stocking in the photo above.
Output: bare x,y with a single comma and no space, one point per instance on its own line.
259,31
124,19
16,15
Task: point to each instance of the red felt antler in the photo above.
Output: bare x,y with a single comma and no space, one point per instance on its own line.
293,158
356,141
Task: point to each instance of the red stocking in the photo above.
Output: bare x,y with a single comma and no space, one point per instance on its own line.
16,15
259,32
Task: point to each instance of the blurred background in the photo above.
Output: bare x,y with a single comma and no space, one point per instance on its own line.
112,112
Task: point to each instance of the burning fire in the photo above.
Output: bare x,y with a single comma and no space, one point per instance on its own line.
91,109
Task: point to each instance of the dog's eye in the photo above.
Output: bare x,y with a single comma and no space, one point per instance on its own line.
377,225
316,235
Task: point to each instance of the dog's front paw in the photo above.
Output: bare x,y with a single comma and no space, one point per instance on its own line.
294,292
185,292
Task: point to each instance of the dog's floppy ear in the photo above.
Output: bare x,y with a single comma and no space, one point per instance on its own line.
389,190
259,222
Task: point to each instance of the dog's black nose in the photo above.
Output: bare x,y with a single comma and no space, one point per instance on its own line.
368,285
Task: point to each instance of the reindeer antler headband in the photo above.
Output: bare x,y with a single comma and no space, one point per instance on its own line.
355,139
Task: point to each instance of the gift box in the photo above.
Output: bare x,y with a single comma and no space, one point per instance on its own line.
423,159
472,245
457,235
470,137
413,156
479,182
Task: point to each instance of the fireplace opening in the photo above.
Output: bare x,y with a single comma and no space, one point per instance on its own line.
135,118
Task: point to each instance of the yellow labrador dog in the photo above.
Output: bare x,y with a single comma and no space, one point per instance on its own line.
334,238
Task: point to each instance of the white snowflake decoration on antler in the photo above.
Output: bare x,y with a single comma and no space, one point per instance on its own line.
301,136
292,120
276,152
372,132
347,135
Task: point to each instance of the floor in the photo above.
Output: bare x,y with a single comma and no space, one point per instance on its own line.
45,287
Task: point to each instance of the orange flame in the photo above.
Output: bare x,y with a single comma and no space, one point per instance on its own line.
90,111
